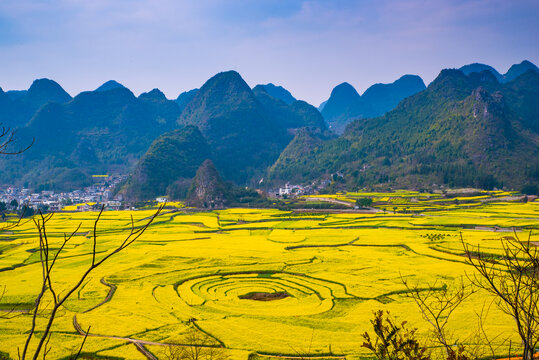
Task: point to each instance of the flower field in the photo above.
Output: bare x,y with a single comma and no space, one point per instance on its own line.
263,282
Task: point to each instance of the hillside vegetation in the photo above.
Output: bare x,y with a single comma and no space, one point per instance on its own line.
461,131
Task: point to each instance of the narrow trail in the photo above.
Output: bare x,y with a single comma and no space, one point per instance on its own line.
330,200
302,357
79,329
109,295
144,351
139,344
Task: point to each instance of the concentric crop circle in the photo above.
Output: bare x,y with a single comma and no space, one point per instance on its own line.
227,293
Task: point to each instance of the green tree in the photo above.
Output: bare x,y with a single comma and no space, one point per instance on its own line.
392,341
14,204
363,202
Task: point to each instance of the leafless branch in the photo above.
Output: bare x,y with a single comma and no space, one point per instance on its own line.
48,265
7,138
437,304
513,279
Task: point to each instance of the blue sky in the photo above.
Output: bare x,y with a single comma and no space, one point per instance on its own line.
306,46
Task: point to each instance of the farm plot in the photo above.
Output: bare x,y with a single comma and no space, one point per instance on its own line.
253,281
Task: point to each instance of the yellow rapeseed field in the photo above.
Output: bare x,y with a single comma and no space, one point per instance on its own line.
334,270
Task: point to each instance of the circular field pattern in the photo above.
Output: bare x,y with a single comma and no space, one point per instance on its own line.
230,293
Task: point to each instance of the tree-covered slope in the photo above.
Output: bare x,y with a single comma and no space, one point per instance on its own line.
208,189
246,132
97,131
172,158
462,131
293,164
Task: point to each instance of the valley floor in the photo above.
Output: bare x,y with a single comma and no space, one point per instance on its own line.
202,271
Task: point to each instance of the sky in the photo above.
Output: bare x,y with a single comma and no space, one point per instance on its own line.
306,46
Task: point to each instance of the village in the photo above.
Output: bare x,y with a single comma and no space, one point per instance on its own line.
100,193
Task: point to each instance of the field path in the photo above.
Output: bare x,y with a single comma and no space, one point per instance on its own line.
303,357
138,343
109,295
140,346
330,200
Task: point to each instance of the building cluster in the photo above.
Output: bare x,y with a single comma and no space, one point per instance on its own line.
292,190
100,193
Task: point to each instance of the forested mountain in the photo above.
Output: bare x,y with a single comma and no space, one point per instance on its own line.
172,159
345,104
246,130
207,188
461,131
97,131
288,167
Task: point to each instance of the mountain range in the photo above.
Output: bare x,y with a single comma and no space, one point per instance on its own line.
469,127
244,131
461,131
345,104
514,71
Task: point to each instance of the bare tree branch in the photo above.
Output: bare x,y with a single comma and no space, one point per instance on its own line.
7,138
48,265
513,278
437,304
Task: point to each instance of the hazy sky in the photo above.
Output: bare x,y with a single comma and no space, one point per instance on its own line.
306,46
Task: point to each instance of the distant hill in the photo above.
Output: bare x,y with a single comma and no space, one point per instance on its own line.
155,95
5,108
514,71
278,92
461,131
16,94
345,104
518,69
110,85
477,68
184,98
342,107
384,97
291,116
17,107
43,91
